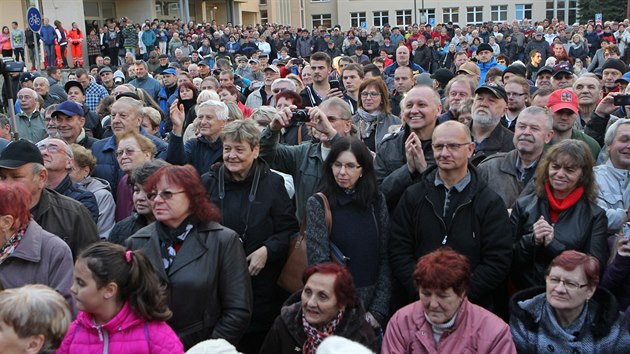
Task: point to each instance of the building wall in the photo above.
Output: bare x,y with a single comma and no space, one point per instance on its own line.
136,10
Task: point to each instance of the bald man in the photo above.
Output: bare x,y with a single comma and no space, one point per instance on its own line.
30,121
458,210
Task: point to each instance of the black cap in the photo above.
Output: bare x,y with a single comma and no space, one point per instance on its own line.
73,83
516,69
443,76
616,64
203,62
496,90
562,67
546,68
484,46
19,153
24,77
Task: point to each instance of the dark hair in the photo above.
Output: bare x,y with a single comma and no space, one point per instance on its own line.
187,178
190,86
504,57
51,70
321,56
231,88
569,260
366,187
443,269
356,67
371,68
381,87
579,155
135,277
291,96
142,172
343,286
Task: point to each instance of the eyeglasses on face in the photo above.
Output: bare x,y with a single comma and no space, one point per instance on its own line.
515,94
165,195
449,147
348,166
569,285
127,151
24,97
371,94
53,149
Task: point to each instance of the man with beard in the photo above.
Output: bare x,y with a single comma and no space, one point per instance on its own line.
564,106
320,89
352,76
511,172
588,89
489,135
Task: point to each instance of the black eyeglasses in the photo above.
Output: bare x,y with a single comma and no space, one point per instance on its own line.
449,147
569,285
165,195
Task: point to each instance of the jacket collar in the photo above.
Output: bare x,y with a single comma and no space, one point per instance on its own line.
30,247
124,319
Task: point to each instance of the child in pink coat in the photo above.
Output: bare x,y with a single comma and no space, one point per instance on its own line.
123,308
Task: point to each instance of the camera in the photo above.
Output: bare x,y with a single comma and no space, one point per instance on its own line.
621,100
10,66
300,115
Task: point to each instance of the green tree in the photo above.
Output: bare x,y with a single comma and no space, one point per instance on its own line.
612,10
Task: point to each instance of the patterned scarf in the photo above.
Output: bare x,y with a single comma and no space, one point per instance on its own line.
171,240
9,247
315,336
367,122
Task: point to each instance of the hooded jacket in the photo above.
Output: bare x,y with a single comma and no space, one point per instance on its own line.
535,329
127,332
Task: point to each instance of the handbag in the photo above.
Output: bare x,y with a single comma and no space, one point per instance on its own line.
290,278
335,253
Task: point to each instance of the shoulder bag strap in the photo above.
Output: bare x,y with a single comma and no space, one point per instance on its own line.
326,211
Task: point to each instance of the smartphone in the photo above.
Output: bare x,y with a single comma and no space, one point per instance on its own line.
626,230
334,84
621,100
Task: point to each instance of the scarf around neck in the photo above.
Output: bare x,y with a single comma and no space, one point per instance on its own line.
315,335
171,240
557,206
367,122
9,247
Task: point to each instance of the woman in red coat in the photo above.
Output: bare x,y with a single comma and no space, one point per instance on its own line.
75,38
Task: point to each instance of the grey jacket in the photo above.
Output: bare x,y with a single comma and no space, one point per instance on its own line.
106,205
303,162
535,328
40,258
385,121
614,194
499,170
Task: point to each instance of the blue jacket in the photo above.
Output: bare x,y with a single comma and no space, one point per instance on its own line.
391,68
48,34
148,38
198,152
107,166
484,67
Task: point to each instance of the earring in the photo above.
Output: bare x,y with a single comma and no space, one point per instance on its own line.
361,175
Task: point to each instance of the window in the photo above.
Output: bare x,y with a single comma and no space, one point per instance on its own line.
550,10
320,0
474,15
572,11
498,13
430,16
263,2
322,20
450,14
403,17
356,18
264,16
523,11
381,18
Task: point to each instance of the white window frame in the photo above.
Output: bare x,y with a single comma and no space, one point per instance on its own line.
522,10
498,13
358,17
383,16
317,20
402,16
477,12
450,14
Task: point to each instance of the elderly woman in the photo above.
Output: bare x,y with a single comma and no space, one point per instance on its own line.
201,261
297,132
34,319
374,117
255,204
142,212
132,149
204,150
561,215
359,216
569,315
328,305
29,254
444,318
81,174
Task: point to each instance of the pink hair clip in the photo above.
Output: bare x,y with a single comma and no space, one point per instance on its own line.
128,256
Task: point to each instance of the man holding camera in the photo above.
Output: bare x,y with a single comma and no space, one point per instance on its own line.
331,120
612,107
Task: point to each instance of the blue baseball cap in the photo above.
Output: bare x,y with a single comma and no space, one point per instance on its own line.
69,108
169,71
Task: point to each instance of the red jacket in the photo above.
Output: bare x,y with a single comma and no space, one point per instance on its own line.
127,332
476,330
74,36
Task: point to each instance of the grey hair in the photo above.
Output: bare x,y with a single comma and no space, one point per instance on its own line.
206,95
264,115
344,108
288,81
612,130
535,110
219,107
66,146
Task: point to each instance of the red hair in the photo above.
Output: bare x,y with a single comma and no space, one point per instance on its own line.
569,260
187,178
291,96
344,288
15,201
231,88
443,269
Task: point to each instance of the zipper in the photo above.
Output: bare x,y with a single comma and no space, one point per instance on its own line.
445,239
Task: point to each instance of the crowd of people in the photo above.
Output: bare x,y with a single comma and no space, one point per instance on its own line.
425,189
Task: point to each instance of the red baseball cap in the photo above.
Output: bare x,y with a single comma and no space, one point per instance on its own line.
563,99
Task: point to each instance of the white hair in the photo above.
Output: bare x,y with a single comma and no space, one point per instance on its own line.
219,107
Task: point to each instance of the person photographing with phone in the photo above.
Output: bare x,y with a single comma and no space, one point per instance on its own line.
321,89
614,106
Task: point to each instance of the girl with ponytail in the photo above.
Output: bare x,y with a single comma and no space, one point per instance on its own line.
123,306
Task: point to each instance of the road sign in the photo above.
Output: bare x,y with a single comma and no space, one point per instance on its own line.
34,19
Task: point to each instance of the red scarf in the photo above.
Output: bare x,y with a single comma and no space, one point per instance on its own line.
556,206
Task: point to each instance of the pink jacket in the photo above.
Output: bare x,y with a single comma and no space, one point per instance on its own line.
476,330
127,332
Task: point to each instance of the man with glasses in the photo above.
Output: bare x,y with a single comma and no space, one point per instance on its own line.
30,120
517,90
452,206
59,161
490,137
22,162
457,90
